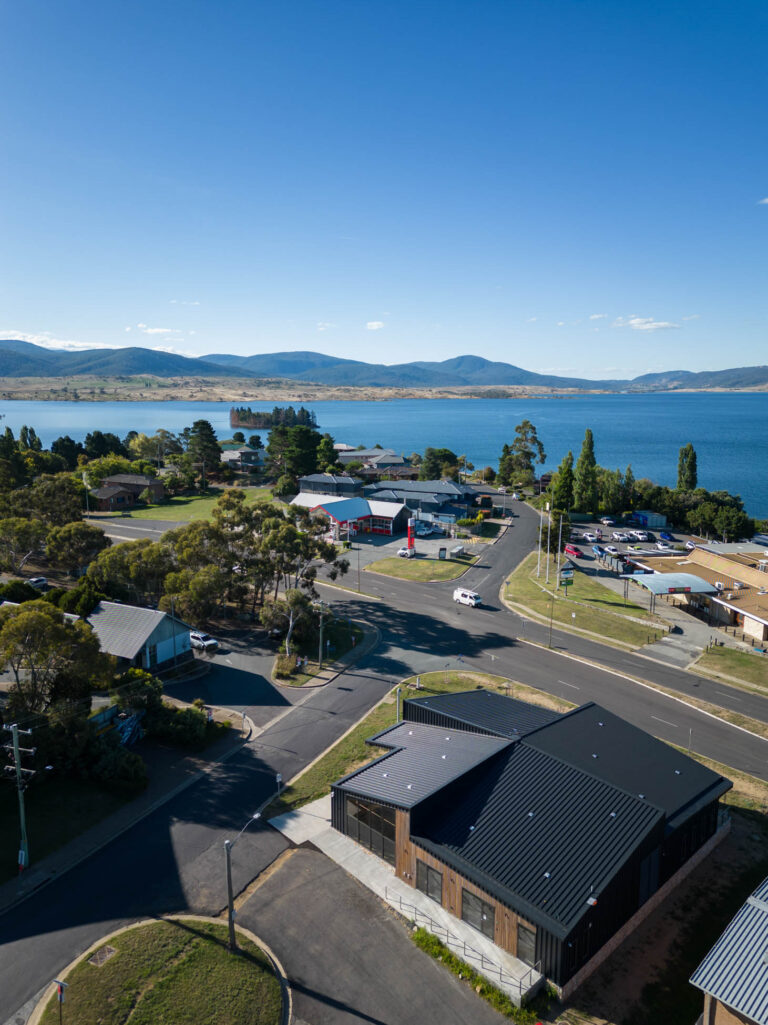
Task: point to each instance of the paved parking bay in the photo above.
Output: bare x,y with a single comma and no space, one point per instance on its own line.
347,958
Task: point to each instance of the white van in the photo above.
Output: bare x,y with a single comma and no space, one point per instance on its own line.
465,597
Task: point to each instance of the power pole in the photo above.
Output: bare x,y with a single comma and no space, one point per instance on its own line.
559,547
23,777
549,546
538,564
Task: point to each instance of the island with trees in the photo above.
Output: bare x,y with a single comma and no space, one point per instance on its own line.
281,416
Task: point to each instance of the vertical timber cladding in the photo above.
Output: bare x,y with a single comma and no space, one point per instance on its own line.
407,853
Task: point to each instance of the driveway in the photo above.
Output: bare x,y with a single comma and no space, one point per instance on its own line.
348,959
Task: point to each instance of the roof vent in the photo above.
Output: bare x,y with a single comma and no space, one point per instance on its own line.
641,796
719,585
410,733
594,756
530,814
410,786
600,724
471,829
591,901
547,875
443,757
613,814
677,772
385,774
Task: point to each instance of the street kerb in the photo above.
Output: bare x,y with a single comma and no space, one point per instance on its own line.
287,1015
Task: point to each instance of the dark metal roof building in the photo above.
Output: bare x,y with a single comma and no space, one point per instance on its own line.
480,711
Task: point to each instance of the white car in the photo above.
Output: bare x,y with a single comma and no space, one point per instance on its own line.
619,535
639,535
502,490
203,642
39,583
690,545
662,546
464,597
589,536
611,549
406,553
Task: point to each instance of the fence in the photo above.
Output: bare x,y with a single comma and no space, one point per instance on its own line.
518,987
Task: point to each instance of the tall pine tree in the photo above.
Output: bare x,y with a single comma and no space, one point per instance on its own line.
585,476
687,473
562,485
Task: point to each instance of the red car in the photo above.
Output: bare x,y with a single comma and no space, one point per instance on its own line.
572,550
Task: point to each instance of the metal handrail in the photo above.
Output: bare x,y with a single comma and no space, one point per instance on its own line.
469,951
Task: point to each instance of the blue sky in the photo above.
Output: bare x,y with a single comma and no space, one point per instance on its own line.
574,186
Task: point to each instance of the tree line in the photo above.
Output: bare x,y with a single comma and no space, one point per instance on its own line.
281,416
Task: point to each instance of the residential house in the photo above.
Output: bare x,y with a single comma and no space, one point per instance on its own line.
552,835
136,483
144,638
330,484
734,975
112,498
243,457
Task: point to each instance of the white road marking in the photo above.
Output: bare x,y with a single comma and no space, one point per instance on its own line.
665,721
569,684
731,696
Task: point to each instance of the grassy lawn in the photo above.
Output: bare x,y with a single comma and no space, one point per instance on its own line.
352,751
193,507
58,810
744,665
600,610
173,972
422,568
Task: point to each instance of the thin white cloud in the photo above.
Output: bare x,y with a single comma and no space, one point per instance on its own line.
763,202
532,320
644,324
598,316
145,329
183,302
128,329
374,325
561,323
692,316
324,325
48,341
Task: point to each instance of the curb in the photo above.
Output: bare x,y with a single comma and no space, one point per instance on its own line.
356,653
50,990
123,828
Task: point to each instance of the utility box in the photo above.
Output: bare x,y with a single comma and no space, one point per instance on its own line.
457,552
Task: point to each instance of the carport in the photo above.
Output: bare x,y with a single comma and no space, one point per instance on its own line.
668,583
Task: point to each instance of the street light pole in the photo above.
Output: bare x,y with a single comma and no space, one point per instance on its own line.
228,845
320,646
22,777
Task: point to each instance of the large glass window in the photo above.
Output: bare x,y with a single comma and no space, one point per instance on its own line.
372,825
429,881
477,913
526,943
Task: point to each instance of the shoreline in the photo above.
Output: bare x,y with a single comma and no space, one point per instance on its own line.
145,388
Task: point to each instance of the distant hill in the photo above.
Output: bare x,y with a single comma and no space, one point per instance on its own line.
23,359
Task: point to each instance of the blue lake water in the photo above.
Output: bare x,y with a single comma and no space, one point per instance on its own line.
728,430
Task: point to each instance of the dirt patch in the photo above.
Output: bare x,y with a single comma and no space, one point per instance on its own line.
646,980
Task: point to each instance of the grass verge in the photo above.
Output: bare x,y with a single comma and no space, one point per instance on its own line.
599,610
748,666
351,751
58,810
173,971
421,568
526,1015
343,635
193,507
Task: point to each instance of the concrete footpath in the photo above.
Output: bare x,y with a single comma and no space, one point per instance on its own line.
170,771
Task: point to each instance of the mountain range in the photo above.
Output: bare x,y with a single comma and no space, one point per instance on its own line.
24,359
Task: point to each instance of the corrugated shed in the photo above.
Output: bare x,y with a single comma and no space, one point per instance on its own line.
630,758
486,710
344,510
735,971
539,835
423,761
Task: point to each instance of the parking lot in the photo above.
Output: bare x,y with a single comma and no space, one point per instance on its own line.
630,540
370,548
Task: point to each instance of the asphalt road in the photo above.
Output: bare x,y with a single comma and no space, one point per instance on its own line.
173,860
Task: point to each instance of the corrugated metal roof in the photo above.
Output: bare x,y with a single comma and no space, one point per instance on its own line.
664,583
735,971
123,630
387,510
344,510
630,758
424,759
569,834
311,500
488,710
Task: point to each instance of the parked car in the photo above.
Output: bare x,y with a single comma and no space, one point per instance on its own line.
39,583
690,545
611,549
422,530
619,535
666,536
405,552
640,535
662,546
572,550
607,521
635,548
203,642
502,490
464,597
590,537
